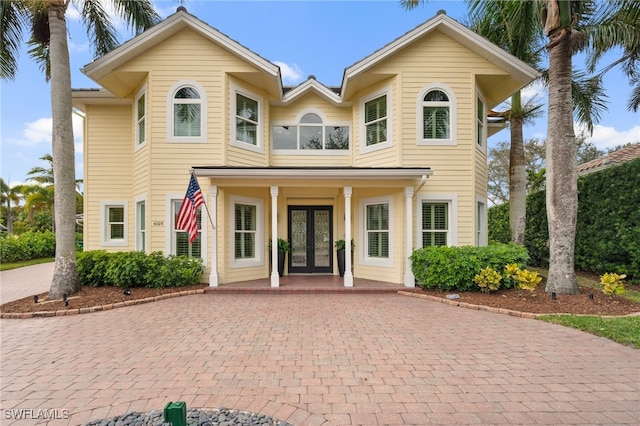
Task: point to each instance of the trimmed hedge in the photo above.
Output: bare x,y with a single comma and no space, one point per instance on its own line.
453,268
137,269
30,245
608,228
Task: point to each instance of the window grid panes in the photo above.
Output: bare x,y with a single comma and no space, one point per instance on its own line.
115,223
142,225
246,120
377,229
141,119
245,231
181,245
187,113
435,224
436,110
480,122
375,120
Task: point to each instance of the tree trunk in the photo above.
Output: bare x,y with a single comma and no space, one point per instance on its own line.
562,186
65,275
517,174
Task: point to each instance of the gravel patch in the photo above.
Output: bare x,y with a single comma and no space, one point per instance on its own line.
200,417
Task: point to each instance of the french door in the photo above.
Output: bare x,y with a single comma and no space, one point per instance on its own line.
311,236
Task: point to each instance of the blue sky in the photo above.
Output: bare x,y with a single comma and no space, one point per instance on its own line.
319,38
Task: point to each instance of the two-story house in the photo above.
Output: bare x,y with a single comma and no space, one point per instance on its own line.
393,159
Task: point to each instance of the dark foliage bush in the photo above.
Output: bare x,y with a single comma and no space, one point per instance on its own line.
608,228
453,268
137,269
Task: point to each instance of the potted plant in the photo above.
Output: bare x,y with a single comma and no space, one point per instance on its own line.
283,248
340,246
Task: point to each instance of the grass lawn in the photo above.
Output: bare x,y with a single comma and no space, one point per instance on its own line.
13,265
624,330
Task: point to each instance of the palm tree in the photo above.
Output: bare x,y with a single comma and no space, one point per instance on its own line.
49,47
10,194
511,25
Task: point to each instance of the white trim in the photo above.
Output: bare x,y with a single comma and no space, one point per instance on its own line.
452,201
481,231
203,113
371,173
141,92
259,146
139,200
385,91
519,69
312,85
258,259
364,258
453,116
102,66
105,240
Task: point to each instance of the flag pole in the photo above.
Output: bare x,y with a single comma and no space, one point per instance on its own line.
193,173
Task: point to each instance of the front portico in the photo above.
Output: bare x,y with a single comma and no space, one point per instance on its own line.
371,206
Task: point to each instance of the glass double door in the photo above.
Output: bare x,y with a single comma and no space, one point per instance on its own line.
310,233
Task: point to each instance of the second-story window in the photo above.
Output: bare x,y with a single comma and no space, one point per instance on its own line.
436,110
187,113
141,119
247,120
310,133
375,120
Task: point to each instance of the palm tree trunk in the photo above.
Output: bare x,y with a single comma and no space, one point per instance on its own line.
517,174
65,275
562,187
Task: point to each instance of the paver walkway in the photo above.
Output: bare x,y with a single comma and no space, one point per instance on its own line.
316,360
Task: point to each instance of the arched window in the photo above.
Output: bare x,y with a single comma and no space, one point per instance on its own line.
436,112
310,132
187,110
311,136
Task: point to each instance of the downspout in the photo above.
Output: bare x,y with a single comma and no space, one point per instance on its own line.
422,182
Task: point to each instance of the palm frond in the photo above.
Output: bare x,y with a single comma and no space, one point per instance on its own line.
12,21
589,99
140,15
100,30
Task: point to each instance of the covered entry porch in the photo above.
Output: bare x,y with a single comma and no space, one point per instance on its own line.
284,193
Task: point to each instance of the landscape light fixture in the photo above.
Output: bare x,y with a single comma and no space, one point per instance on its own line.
35,299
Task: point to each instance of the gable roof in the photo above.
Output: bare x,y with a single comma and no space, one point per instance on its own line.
612,159
520,70
101,67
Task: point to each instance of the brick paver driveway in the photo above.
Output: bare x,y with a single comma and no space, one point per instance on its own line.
316,359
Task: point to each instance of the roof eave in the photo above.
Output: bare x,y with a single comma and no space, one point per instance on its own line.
315,172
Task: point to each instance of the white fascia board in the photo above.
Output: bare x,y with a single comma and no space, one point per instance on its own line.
315,173
99,68
456,31
311,85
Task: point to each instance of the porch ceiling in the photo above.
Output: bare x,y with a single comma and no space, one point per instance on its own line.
316,173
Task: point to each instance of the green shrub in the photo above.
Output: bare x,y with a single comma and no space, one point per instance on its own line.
92,267
528,280
137,269
30,245
453,268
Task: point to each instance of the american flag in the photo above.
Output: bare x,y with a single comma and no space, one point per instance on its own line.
187,220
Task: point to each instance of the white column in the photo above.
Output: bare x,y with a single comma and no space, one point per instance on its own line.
213,210
348,275
409,279
275,278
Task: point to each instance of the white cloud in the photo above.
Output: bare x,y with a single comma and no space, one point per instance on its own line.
609,137
39,131
291,74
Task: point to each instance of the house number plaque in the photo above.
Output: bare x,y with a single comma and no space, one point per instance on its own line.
158,223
